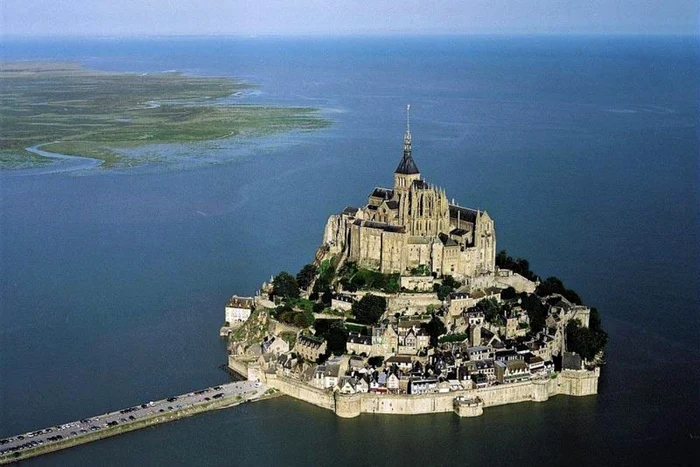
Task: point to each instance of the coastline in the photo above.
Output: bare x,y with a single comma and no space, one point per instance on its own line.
63,163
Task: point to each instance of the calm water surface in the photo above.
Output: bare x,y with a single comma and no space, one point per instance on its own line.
584,150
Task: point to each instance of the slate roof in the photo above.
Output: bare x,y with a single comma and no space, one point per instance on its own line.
407,165
354,338
310,341
405,359
420,184
383,193
393,204
349,210
383,226
465,214
447,241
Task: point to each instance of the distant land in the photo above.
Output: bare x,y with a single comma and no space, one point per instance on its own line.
67,109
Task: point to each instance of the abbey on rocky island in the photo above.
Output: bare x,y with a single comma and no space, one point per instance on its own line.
413,226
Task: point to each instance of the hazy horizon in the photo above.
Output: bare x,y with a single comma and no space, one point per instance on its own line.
341,18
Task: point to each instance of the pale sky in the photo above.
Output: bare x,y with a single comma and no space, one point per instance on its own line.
345,17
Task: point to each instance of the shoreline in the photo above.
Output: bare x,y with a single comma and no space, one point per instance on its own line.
62,163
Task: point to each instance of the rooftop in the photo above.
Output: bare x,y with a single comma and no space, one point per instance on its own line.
407,166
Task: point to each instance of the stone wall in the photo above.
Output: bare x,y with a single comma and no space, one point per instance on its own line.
572,383
417,283
404,404
411,304
243,366
276,328
578,383
304,392
506,278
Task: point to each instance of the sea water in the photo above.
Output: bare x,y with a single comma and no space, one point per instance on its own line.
584,150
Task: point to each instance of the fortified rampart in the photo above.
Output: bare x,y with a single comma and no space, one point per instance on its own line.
508,278
571,383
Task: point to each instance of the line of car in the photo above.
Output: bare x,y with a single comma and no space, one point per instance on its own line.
95,427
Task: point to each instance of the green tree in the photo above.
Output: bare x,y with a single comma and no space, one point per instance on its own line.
306,276
520,265
337,337
553,285
492,311
435,328
443,291
285,286
451,282
508,293
392,283
281,309
303,319
375,361
536,311
327,298
586,342
369,309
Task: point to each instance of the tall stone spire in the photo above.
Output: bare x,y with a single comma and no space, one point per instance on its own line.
407,137
407,165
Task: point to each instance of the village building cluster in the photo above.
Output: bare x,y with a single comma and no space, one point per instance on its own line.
397,357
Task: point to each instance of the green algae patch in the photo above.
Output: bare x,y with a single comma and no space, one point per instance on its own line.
71,110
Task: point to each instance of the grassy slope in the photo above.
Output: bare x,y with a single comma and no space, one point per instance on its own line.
75,111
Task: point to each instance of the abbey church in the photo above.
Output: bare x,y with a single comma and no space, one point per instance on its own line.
413,226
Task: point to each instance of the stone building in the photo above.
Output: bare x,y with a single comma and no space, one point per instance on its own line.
359,344
511,371
238,309
413,226
310,347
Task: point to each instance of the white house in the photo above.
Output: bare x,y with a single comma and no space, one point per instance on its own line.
238,309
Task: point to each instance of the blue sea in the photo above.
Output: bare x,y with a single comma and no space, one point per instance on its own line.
584,150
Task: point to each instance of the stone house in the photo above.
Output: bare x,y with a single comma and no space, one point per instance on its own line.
534,363
478,352
507,355
274,345
458,302
238,309
342,302
326,376
422,385
511,371
482,367
392,382
359,344
346,385
403,362
480,381
362,385
385,340
310,348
